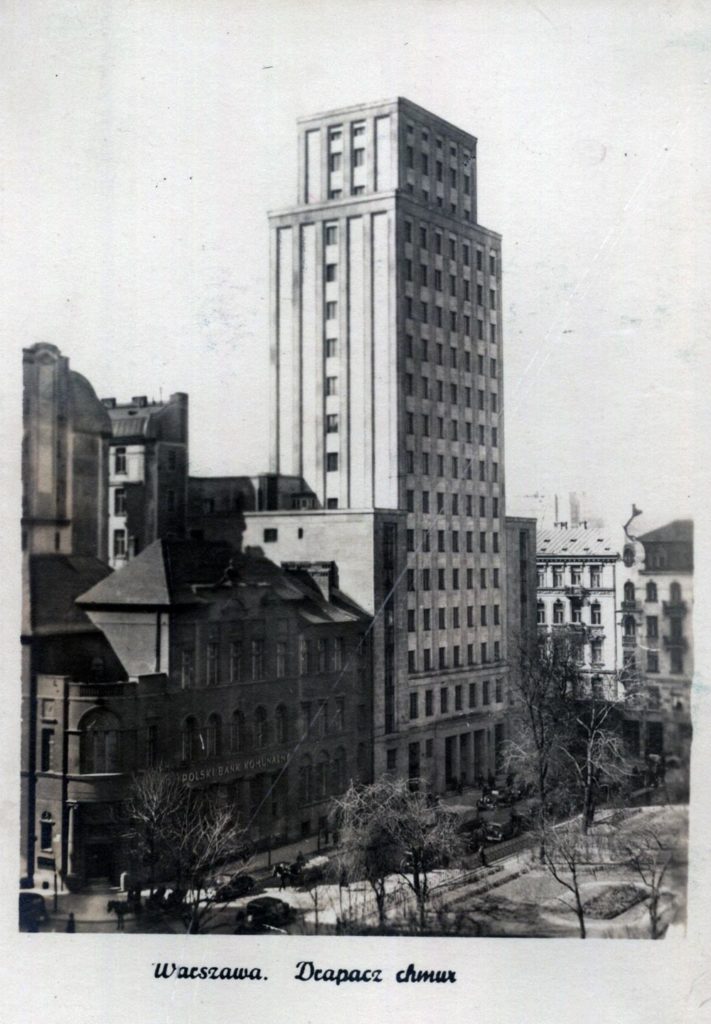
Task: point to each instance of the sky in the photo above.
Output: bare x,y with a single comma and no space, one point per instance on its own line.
148,140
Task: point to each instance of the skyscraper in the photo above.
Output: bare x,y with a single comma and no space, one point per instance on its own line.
387,395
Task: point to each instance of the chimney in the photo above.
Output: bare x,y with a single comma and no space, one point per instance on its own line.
140,400
110,403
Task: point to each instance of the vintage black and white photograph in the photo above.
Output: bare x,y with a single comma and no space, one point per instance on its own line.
359,356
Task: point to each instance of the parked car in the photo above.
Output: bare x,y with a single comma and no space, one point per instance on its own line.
262,914
240,885
486,803
498,831
33,911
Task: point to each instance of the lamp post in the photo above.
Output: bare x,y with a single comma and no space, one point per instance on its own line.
57,843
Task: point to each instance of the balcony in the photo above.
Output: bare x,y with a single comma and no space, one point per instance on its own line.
674,609
631,606
629,641
577,592
680,643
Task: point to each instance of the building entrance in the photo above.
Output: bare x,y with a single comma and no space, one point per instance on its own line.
99,862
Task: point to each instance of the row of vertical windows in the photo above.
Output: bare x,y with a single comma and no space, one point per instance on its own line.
426,579
439,391
467,394
487,654
249,661
454,614
260,729
453,246
439,350
576,613
422,312
441,497
478,695
441,536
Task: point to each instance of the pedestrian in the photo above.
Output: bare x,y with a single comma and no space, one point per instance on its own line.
71,923
491,780
482,855
460,785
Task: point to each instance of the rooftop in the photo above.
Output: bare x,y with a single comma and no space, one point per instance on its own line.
575,541
187,572
679,531
56,581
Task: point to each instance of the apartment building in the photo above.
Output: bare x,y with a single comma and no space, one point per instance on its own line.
577,596
386,359
148,473
656,636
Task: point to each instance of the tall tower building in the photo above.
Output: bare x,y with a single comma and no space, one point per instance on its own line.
386,357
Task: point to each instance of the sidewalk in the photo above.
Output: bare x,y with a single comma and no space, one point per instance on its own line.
90,908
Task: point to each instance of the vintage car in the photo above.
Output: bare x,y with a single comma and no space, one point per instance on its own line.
263,914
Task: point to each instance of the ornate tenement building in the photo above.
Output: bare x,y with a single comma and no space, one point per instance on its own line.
387,398
656,636
578,580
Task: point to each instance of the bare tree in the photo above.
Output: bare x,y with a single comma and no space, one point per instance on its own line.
188,834
563,856
650,856
386,828
596,754
367,847
430,837
206,836
542,720
154,800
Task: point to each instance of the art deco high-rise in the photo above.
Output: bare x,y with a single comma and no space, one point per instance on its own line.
387,395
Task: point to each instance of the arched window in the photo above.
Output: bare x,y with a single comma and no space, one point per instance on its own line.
213,736
321,786
281,724
338,771
595,614
674,593
191,739
558,613
99,743
541,613
629,591
237,736
628,625
651,591
305,781
261,730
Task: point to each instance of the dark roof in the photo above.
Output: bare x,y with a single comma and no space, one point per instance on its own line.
178,572
156,576
56,581
138,421
680,531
